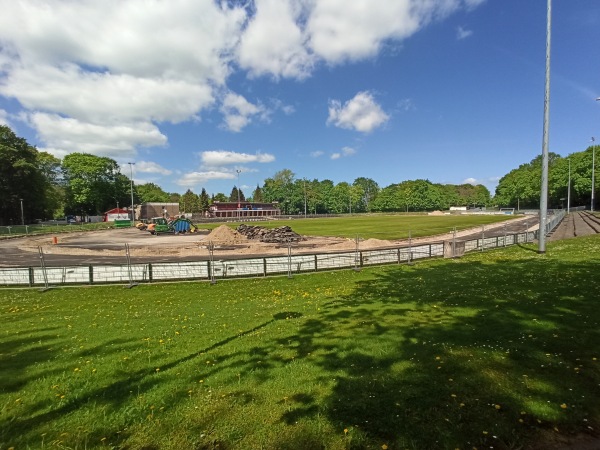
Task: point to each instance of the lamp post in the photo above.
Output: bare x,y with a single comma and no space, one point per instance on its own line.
131,164
305,198
22,215
544,188
238,191
593,170
569,190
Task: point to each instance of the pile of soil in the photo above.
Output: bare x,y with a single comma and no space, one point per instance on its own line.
279,235
223,235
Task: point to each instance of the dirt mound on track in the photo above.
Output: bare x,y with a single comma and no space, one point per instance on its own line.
225,235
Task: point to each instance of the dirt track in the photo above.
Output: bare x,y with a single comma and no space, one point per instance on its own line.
108,246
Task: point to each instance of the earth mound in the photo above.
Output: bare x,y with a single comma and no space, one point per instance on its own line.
225,235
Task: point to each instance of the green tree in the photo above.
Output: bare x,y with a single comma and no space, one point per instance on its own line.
368,189
219,197
257,195
152,193
90,183
204,201
190,202
22,180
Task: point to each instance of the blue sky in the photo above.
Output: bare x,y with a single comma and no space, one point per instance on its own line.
194,91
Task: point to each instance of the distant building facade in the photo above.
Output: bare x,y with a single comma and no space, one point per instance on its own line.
243,209
150,210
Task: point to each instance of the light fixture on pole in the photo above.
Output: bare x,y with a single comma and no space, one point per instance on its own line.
305,198
131,164
593,170
22,215
544,188
569,190
238,191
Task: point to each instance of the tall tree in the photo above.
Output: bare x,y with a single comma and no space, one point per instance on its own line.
90,183
189,202
22,181
369,189
204,201
150,192
257,195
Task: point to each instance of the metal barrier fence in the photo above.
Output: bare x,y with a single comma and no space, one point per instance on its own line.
213,270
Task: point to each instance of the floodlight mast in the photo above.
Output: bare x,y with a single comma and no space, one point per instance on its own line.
544,189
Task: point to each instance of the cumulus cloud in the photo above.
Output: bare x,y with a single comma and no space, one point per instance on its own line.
189,180
152,167
3,117
462,33
121,68
66,135
274,43
216,158
361,113
317,154
346,151
238,112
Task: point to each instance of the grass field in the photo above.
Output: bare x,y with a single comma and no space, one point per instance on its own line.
496,349
379,226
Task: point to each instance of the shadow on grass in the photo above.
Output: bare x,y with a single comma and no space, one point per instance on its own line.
463,353
467,353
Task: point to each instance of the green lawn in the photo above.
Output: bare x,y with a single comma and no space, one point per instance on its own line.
379,226
497,349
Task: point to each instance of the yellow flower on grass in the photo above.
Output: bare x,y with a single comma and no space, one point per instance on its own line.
563,406
497,406
384,447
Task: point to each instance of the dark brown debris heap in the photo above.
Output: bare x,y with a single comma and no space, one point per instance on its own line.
279,235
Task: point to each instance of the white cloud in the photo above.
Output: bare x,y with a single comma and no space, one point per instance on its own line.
65,135
128,66
273,43
4,117
189,180
472,181
346,151
238,111
317,154
361,113
216,158
462,33
152,167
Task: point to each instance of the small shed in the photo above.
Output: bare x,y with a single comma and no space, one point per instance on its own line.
116,214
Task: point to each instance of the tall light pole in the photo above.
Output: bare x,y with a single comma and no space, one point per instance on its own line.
305,198
22,215
238,191
593,169
131,164
544,189
569,190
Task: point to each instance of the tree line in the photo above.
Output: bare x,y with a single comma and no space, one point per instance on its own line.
36,185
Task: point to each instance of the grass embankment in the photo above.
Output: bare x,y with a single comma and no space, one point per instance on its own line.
378,226
492,350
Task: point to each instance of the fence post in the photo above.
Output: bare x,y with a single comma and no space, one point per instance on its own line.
264,267
150,272
44,273
482,237
91,274
316,259
357,256
211,262
129,270
289,260
31,279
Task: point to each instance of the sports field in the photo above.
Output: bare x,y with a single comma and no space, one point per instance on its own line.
496,349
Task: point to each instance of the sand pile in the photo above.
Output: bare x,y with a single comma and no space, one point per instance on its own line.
223,235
